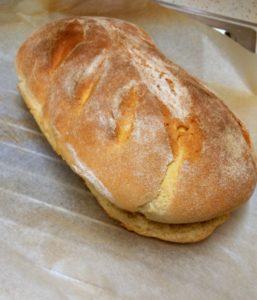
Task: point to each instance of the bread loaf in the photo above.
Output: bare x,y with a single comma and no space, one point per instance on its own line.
161,153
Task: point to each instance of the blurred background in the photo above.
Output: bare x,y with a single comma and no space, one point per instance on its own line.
234,18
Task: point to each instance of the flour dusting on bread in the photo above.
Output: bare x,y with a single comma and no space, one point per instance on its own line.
87,174
139,129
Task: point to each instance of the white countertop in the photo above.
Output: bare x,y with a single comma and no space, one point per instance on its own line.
240,9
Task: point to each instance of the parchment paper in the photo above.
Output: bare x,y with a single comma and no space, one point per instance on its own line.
55,241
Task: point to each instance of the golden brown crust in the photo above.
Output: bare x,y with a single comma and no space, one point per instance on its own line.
177,233
147,136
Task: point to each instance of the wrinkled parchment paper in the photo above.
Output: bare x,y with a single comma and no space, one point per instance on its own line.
55,241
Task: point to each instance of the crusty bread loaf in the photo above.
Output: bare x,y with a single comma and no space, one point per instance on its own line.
152,142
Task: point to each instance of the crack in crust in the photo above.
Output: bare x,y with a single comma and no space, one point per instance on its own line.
184,134
127,111
66,41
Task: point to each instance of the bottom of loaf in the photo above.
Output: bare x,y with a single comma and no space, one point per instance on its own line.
177,233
